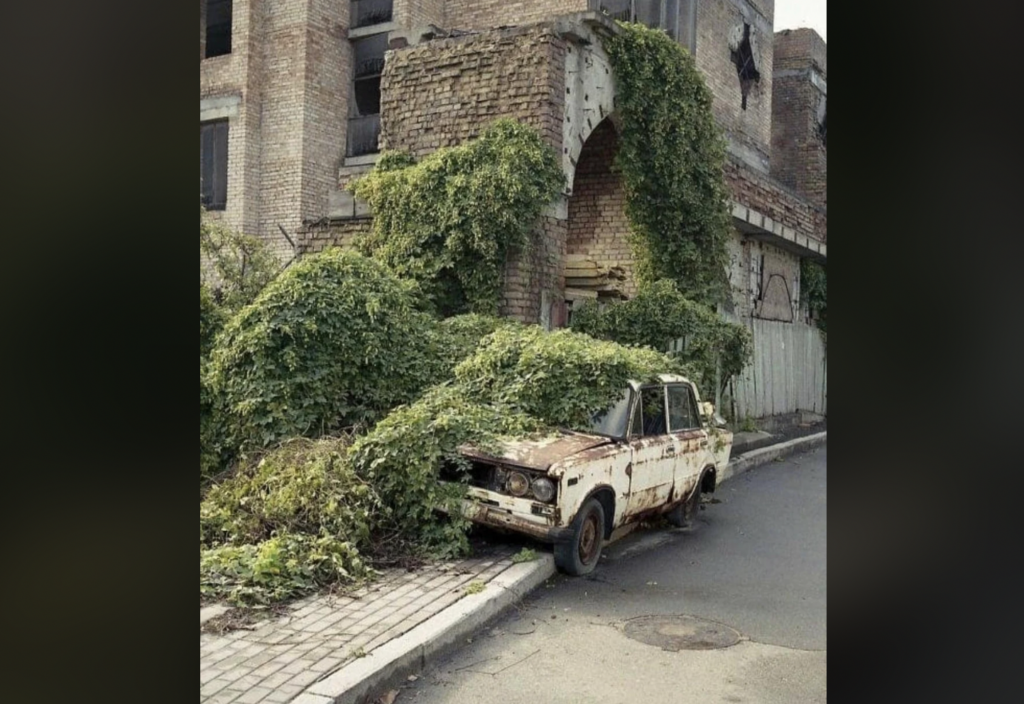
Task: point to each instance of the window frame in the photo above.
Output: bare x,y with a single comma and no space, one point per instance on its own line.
214,126
694,410
638,409
229,22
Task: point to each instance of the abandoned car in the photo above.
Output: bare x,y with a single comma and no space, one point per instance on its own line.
654,452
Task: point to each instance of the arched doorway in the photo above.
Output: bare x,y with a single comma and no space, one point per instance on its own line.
598,262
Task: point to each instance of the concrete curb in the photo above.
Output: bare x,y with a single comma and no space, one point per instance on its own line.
389,665
755,458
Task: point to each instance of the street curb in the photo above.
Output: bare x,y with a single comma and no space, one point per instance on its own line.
390,664
755,458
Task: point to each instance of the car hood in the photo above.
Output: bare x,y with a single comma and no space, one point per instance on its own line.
539,453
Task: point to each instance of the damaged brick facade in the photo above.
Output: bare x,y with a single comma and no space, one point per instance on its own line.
286,91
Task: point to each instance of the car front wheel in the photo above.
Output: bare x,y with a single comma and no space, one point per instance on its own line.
579,555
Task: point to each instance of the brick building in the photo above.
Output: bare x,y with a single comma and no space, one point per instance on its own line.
298,96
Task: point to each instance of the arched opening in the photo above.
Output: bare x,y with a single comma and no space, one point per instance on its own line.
598,262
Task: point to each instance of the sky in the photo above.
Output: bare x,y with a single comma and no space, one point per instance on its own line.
791,14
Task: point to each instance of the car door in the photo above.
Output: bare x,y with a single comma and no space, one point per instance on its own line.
691,440
652,467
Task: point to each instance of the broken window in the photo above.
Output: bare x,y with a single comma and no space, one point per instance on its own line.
213,164
822,117
367,12
743,57
218,27
364,111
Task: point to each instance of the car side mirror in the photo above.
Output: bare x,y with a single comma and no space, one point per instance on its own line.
707,409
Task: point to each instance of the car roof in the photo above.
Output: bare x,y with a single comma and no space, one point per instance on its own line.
664,378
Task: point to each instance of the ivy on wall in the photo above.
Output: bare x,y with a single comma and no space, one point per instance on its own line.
671,157
814,288
450,220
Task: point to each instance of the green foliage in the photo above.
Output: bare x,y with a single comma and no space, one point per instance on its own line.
658,314
814,286
241,265
450,221
211,319
475,587
525,555
671,156
286,524
333,342
461,334
561,378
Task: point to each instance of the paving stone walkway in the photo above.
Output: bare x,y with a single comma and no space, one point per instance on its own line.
280,658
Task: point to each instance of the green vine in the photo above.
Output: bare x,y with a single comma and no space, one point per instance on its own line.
451,220
814,287
671,156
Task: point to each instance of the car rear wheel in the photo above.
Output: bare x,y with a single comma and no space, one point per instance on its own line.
579,555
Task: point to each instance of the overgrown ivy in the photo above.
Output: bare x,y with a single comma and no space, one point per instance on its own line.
239,265
814,289
660,314
450,221
671,157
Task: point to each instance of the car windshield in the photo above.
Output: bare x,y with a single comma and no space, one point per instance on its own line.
615,420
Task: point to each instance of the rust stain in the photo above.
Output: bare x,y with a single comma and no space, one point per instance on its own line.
539,454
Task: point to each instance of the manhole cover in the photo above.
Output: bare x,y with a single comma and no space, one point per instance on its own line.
680,633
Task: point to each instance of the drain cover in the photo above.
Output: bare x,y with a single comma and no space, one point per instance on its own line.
682,632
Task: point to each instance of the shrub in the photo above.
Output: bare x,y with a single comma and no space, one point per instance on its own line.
211,319
333,342
659,314
242,265
671,157
450,221
284,524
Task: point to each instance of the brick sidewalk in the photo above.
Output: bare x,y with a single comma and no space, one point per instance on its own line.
281,658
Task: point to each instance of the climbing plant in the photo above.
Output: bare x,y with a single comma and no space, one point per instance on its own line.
814,285
671,156
450,220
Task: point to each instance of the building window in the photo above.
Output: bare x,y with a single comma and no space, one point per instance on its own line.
213,164
218,27
743,57
367,12
657,14
364,111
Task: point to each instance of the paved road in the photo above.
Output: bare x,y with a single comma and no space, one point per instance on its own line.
754,562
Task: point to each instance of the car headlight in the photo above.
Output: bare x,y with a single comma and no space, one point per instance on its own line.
544,489
517,484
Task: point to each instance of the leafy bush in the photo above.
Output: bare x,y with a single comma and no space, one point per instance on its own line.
814,288
461,334
658,314
242,265
450,221
333,342
211,319
671,156
290,522
561,378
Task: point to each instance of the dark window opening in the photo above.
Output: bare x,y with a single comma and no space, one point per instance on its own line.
364,113
821,130
218,28
367,12
649,416
743,57
213,164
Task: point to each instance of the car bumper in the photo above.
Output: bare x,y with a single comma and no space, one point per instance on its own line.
518,515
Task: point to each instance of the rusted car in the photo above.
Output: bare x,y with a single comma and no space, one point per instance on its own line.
654,452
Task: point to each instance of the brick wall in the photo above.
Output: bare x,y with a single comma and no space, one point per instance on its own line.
486,14
798,103
764,195
416,13
444,92
749,130
597,218
317,238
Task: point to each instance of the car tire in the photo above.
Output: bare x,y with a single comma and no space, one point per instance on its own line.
683,515
580,554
